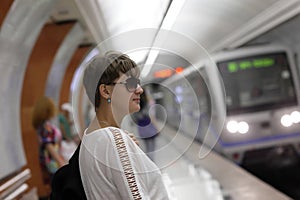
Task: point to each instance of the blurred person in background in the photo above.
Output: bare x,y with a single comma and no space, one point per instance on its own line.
146,122
65,121
70,140
49,136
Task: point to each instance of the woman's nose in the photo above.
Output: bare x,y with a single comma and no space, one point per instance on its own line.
139,89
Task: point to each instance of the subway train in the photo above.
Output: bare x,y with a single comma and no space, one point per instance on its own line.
260,88
45,43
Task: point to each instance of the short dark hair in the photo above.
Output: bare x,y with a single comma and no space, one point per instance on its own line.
104,70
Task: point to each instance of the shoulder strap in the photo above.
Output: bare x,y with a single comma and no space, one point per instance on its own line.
126,164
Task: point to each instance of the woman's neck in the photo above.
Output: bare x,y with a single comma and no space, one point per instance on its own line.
106,118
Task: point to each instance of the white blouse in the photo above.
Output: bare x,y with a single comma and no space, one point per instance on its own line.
113,167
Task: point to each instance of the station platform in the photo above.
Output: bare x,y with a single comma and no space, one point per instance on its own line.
213,177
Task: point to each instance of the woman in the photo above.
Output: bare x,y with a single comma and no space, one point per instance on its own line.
49,137
112,166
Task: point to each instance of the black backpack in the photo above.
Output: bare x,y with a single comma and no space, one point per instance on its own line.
66,182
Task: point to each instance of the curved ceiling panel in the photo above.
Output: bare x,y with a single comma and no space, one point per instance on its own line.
214,24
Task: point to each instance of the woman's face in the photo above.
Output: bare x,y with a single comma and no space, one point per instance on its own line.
125,101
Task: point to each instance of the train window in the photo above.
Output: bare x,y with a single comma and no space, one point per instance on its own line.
258,83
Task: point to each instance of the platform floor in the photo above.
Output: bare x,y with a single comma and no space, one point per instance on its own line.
213,178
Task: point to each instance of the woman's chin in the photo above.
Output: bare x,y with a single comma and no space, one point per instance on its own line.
134,110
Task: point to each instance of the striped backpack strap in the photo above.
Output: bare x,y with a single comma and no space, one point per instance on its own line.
126,164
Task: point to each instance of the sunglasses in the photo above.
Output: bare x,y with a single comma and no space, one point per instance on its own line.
131,84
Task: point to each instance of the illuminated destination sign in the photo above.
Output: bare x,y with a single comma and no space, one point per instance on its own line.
248,64
165,73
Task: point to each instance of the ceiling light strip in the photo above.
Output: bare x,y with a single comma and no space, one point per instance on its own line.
168,22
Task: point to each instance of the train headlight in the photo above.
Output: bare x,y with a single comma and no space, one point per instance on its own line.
243,127
286,120
232,126
295,116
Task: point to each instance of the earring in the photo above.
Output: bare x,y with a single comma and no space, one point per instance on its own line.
108,100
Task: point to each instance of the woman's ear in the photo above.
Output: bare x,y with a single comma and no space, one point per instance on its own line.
104,92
